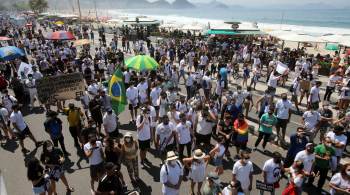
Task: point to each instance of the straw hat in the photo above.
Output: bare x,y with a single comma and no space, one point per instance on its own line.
171,156
128,134
198,154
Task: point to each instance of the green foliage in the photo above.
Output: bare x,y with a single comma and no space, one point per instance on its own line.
38,6
21,6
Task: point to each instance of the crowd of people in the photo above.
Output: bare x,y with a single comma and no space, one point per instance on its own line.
180,110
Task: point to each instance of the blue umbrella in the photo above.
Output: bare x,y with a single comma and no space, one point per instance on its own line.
10,53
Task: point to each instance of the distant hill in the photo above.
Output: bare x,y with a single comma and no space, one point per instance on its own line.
182,4
212,4
160,4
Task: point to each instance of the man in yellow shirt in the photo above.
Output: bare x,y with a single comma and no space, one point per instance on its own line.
75,119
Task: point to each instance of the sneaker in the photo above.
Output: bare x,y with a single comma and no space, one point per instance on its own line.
24,150
66,153
254,149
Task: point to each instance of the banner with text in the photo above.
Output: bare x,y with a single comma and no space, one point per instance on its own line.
61,87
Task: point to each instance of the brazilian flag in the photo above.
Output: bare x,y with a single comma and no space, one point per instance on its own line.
116,89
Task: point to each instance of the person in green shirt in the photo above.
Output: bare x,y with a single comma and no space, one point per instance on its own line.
267,121
323,154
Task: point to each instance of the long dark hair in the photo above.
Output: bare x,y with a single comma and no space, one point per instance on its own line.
45,145
33,167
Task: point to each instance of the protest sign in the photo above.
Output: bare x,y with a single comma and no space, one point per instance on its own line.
281,68
61,87
263,186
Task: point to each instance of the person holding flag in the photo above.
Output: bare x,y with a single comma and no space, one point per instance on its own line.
116,90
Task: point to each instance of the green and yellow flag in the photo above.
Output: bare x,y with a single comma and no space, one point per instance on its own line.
116,89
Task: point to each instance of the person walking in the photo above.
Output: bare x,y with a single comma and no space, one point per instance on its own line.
110,124
53,126
272,171
267,121
93,150
35,173
171,174
323,154
144,134
54,159
243,172
22,128
283,113
197,166
211,185
129,152
340,182
184,135
75,117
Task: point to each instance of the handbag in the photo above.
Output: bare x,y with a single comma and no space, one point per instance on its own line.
290,190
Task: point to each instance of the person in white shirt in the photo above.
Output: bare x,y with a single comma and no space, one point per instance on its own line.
155,93
182,66
243,172
182,105
283,113
143,88
144,134
314,98
173,114
204,61
206,85
165,136
339,141
171,174
333,80
189,85
36,74
8,100
93,88
307,157
310,120
21,127
33,93
272,83
110,123
5,122
132,95
94,151
340,182
184,134
272,170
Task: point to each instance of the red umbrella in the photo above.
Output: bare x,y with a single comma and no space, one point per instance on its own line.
5,38
60,35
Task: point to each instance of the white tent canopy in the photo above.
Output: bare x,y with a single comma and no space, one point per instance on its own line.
332,38
300,38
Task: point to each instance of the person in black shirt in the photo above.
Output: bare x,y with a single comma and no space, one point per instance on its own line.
110,182
225,129
53,158
35,173
326,119
95,110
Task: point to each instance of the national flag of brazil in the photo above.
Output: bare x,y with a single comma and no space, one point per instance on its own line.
116,90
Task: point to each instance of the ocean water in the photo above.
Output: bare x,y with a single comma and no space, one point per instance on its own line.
311,21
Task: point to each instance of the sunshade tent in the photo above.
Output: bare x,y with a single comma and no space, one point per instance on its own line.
10,53
221,32
81,42
332,47
60,35
59,23
5,38
141,63
300,38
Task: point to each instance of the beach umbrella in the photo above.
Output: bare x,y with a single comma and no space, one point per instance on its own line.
59,23
332,47
5,38
81,42
141,63
10,53
60,35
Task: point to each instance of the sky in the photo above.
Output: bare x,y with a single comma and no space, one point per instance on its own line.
279,2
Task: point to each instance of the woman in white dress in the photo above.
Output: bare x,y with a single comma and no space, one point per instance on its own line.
197,168
340,182
163,103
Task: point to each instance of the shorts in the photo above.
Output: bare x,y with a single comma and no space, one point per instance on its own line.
56,173
281,123
156,108
203,139
43,188
217,161
241,145
144,145
114,134
294,98
96,170
315,105
26,132
131,107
